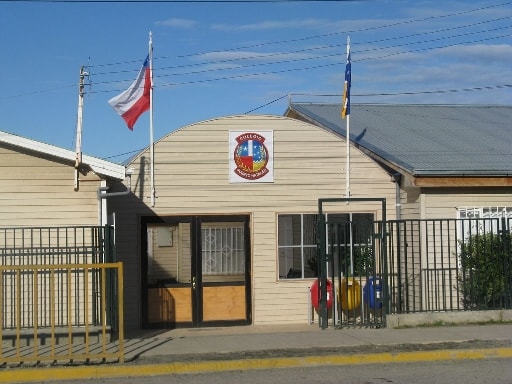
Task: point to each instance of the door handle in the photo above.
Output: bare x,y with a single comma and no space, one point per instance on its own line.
193,283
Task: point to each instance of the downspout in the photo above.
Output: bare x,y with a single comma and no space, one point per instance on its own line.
396,177
103,194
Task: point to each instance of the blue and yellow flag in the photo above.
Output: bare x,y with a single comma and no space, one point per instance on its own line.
345,106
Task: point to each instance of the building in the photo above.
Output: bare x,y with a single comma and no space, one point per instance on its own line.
38,182
229,236
51,212
452,167
232,234
450,160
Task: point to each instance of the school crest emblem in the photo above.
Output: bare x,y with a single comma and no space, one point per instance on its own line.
251,156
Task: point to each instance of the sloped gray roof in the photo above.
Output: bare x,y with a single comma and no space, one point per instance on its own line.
428,140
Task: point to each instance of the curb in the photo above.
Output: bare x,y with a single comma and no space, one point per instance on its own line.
26,375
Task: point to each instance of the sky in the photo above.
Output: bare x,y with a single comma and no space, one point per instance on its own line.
213,59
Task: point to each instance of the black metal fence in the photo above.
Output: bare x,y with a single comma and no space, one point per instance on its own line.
372,268
40,246
449,265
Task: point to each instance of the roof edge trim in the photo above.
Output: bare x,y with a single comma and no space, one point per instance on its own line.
98,166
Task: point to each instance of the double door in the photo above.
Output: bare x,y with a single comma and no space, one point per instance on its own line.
196,271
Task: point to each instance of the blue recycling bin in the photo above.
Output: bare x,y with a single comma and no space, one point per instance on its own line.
372,292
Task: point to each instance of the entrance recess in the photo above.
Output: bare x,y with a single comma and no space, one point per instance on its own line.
196,271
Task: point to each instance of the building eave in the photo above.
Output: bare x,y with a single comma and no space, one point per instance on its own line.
98,166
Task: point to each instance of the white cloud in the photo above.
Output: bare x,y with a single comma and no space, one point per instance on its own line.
267,57
177,23
500,53
272,25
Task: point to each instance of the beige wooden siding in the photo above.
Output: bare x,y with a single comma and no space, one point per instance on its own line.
444,204
192,177
38,192
35,191
410,203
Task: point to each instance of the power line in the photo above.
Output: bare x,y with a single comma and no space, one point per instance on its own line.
323,47
280,62
404,93
267,104
438,91
259,57
38,92
180,1
321,57
366,29
324,56
287,70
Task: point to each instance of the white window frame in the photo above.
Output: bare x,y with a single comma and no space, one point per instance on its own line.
282,266
487,212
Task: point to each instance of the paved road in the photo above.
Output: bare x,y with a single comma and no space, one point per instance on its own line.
169,353
489,371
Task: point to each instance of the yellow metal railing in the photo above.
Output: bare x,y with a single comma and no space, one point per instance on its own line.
47,313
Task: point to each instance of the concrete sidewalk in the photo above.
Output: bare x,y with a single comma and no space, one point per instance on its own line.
231,340
257,347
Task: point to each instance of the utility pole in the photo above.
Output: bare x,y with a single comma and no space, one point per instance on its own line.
81,92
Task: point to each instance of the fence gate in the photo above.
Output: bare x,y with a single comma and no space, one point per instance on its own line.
352,266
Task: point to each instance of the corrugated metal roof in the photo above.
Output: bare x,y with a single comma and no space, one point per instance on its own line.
425,140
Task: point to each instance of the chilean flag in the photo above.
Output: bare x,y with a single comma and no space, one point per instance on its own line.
136,99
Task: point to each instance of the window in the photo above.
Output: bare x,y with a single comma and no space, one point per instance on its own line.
297,243
483,212
223,249
481,220
350,241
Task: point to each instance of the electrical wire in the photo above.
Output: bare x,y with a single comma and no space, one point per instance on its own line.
266,73
179,1
160,70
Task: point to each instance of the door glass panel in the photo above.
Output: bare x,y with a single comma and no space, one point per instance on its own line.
223,252
169,254
169,273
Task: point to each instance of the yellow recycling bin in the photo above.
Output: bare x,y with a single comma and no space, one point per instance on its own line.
350,294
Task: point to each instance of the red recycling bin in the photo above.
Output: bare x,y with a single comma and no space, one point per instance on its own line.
315,294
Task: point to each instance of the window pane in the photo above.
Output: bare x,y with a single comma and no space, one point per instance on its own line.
310,229
290,263
310,265
289,230
338,217
361,231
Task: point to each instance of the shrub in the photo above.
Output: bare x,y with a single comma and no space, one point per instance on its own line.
484,277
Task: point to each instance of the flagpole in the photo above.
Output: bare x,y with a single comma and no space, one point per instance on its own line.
347,192
151,144
347,106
